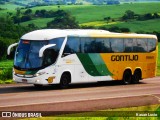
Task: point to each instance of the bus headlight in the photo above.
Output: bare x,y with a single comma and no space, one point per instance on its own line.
38,74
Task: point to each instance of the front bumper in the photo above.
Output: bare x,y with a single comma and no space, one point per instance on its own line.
34,80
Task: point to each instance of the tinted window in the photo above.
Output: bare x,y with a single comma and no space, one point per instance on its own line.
58,42
72,45
103,45
95,45
151,45
140,45
128,45
88,45
117,45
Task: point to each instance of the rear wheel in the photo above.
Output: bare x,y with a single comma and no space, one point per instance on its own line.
65,80
136,77
127,76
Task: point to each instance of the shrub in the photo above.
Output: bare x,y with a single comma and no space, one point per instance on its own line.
6,74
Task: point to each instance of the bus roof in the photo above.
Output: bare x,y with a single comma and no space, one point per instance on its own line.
48,34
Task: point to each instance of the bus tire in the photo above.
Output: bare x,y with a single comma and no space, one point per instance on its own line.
38,85
65,80
136,77
127,77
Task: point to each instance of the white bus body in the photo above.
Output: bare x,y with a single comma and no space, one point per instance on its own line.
34,63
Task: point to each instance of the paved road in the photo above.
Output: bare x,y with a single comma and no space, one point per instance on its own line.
81,97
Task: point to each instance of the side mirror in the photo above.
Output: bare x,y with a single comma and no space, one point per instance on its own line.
41,51
10,47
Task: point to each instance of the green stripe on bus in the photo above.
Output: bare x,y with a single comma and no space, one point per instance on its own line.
88,64
99,64
94,64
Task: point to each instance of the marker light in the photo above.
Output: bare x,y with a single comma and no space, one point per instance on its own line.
37,81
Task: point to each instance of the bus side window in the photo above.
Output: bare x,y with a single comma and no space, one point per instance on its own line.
128,45
72,46
141,45
103,45
117,45
151,45
94,45
88,45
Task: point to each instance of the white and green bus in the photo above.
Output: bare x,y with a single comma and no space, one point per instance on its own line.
53,56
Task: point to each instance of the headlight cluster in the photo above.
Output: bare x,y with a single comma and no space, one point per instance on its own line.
30,76
39,73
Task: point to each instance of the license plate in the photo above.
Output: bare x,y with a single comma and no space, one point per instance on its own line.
24,80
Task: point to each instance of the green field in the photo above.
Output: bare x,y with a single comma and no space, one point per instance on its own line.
92,13
88,13
10,6
134,26
41,22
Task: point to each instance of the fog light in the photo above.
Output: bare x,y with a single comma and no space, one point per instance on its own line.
14,79
50,79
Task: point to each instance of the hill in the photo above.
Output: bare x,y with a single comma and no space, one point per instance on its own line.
93,15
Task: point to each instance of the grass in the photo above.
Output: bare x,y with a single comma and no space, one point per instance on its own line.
10,6
111,114
6,72
135,26
6,64
41,22
99,23
91,13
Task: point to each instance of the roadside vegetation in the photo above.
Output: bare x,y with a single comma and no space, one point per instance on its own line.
6,71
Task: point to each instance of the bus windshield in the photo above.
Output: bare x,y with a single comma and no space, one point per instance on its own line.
27,54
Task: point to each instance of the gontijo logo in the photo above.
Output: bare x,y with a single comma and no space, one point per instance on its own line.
124,58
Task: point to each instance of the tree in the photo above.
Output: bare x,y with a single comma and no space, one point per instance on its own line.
64,21
25,18
148,16
28,12
156,15
128,15
107,19
3,49
18,12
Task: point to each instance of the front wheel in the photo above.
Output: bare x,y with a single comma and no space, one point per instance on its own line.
64,82
127,76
